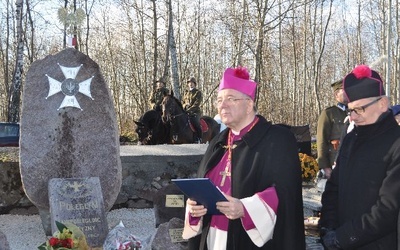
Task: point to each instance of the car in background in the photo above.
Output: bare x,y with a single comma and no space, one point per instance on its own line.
9,134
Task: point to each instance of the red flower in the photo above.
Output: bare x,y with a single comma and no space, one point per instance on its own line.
70,243
67,243
53,241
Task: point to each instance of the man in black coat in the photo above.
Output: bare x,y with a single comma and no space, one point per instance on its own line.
256,165
361,201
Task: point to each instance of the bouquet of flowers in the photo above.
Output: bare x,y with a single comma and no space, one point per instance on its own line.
309,167
120,238
67,237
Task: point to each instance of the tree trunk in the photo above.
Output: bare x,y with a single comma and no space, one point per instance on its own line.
30,45
65,27
75,29
172,48
15,93
88,10
155,44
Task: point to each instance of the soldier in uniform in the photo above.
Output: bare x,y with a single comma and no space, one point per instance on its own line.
331,124
191,103
158,94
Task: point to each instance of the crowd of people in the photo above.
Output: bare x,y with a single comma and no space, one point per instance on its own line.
256,165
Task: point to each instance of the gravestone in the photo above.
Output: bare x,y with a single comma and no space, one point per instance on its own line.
79,201
169,236
169,202
68,128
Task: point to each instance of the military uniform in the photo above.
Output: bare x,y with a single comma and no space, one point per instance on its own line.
156,98
329,132
191,103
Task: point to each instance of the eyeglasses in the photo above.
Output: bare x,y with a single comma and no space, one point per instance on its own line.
361,109
230,100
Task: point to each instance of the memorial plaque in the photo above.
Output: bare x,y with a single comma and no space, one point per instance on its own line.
79,201
169,202
174,200
176,235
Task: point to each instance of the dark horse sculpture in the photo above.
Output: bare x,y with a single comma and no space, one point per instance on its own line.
181,130
151,130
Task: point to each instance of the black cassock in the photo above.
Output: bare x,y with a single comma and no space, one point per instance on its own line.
266,156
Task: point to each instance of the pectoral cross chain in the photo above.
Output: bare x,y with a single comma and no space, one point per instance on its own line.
231,146
226,172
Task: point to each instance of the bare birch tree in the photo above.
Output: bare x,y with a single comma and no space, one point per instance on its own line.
15,90
172,49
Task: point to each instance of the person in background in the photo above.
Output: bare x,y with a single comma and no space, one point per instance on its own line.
330,129
396,113
222,126
191,103
158,94
361,201
256,165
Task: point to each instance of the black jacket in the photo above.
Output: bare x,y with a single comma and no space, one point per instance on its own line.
362,198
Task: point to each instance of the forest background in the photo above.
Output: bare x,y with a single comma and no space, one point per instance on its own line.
293,49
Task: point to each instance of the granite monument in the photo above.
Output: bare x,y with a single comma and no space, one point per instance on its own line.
68,128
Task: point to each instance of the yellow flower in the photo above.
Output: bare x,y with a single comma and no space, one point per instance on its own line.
309,167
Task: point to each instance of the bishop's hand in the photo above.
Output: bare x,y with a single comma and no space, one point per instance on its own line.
194,209
232,209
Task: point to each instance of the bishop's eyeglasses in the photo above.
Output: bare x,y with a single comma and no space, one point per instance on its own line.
230,100
361,109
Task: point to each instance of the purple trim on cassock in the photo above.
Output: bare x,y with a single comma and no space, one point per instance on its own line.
193,221
270,197
247,222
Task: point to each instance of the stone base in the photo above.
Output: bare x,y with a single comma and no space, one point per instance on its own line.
145,170
46,221
163,241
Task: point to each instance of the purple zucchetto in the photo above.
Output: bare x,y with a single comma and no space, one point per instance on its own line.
238,79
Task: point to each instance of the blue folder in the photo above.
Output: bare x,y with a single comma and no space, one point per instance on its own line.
203,191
